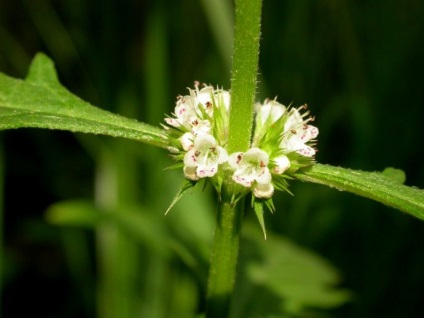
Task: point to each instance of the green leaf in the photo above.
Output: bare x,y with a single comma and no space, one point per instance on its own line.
40,101
382,187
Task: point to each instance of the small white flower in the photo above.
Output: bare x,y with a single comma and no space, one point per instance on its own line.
187,141
200,127
185,111
270,108
251,169
203,97
172,122
297,133
208,95
282,163
194,115
203,158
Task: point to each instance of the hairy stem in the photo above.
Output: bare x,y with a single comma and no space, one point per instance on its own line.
224,255
222,271
244,73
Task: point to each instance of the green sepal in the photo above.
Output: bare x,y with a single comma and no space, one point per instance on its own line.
177,165
270,205
280,182
258,207
185,187
220,128
174,134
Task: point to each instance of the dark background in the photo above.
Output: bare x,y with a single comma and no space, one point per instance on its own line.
359,66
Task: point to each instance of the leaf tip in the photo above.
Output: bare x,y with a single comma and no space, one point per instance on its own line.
42,69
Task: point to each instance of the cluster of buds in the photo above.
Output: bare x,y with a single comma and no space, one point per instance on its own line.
283,142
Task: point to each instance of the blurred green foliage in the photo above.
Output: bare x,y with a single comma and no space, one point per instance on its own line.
359,66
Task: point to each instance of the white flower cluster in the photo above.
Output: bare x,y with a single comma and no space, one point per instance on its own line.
283,142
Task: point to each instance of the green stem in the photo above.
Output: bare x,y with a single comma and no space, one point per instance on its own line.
244,73
224,255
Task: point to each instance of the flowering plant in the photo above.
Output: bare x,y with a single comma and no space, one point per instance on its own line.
215,138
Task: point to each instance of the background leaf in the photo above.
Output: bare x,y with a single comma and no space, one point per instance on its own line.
280,278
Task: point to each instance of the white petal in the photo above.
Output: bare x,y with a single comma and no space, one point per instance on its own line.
306,151
271,109
172,122
184,110
190,158
242,178
265,177
222,155
204,141
263,191
204,96
187,141
292,143
307,132
256,154
295,144
294,121
207,170
313,131
234,159
201,127
282,163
